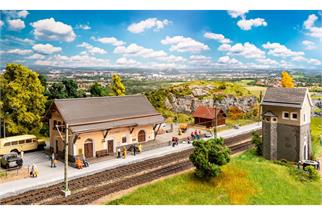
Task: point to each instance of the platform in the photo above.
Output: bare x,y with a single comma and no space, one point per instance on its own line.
49,176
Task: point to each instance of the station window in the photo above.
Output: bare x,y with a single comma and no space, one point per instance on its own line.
123,139
286,115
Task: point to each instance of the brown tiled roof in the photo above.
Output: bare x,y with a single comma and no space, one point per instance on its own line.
206,112
292,97
114,110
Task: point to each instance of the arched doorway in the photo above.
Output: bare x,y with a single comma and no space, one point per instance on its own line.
88,148
141,136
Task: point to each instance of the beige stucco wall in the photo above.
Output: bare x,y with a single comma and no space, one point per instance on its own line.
279,111
306,110
99,143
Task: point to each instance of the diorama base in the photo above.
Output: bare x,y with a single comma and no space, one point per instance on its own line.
67,193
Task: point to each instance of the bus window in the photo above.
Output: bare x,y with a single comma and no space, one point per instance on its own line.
14,143
7,144
21,142
29,141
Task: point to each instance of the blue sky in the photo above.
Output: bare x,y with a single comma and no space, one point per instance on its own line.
163,39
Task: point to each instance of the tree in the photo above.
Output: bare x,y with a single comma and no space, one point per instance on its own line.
257,141
287,80
117,85
23,100
70,87
208,156
57,91
98,90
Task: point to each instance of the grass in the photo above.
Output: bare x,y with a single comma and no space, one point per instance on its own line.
316,132
255,90
247,179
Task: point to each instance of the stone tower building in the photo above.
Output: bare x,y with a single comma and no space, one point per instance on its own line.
286,124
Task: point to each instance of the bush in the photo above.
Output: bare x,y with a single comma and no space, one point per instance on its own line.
208,156
313,174
257,141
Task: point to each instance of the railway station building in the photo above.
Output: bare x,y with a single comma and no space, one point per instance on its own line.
97,126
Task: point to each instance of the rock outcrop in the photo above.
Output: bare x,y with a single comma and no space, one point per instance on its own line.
188,104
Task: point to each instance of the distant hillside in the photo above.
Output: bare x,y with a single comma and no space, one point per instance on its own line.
185,98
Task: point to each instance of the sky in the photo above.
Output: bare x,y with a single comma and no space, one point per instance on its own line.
163,39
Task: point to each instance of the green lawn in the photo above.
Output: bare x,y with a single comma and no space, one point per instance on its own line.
316,132
247,179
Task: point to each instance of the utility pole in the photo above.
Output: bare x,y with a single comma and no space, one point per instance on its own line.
66,190
215,127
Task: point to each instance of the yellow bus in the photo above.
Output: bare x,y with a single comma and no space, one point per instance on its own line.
19,143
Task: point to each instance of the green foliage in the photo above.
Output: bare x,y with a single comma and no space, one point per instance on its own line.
316,128
117,85
23,100
182,118
57,91
208,156
98,90
70,88
257,141
313,174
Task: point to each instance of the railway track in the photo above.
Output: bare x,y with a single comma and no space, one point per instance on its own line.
92,187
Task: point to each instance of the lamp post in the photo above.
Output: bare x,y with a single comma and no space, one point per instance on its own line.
66,190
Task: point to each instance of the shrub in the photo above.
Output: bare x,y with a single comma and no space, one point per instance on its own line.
208,156
257,141
313,174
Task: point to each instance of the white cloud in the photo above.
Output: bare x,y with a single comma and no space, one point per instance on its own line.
46,49
36,56
49,29
247,24
266,61
1,24
246,50
13,14
92,49
309,45
201,60
184,44
313,61
237,13
228,60
23,14
109,40
83,27
19,51
73,61
16,24
279,50
219,37
309,25
127,62
136,50
147,24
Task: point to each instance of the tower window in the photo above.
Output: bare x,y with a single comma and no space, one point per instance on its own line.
286,115
294,116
